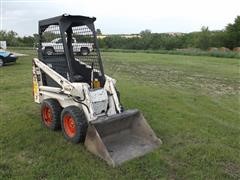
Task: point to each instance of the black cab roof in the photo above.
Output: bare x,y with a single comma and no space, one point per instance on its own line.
75,20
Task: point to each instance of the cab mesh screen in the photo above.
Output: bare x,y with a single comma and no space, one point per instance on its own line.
51,41
84,46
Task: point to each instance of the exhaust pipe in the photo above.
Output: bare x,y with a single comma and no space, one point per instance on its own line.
121,137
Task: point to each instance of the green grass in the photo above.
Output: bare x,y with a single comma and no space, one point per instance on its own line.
187,52
191,102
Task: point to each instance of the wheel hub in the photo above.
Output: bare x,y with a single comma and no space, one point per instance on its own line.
47,115
69,125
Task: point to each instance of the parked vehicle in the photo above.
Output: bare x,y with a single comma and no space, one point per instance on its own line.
56,46
6,57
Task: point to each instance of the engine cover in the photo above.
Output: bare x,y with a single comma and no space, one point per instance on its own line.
99,99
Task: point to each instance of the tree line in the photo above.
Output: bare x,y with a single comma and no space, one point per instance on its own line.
146,40
229,38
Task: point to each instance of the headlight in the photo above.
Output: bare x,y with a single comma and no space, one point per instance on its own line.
12,55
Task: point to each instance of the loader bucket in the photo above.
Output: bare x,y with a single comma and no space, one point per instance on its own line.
121,137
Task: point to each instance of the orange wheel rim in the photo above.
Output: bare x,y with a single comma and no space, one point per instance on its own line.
47,115
69,125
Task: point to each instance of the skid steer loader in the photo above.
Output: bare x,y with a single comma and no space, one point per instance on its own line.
78,97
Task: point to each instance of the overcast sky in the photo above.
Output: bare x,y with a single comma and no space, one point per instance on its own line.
123,16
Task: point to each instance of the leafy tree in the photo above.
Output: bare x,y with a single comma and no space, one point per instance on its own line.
10,37
146,32
218,39
233,34
49,36
146,37
98,31
36,40
203,41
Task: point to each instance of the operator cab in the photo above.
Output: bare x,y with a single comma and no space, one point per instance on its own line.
68,44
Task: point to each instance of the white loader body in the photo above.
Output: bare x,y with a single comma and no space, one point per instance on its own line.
95,101
76,96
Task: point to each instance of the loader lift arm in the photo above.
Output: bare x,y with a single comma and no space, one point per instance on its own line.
67,87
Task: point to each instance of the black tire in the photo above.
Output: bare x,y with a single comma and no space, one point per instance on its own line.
79,125
49,51
51,113
84,51
1,62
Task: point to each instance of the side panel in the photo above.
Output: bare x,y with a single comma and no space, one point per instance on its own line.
36,82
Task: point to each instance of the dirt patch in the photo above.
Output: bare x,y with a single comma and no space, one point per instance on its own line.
223,49
236,49
177,78
232,169
212,49
19,54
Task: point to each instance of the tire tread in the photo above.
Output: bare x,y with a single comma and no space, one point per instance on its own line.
80,120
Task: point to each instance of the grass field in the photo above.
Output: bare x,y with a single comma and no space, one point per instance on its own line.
191,102
189,52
